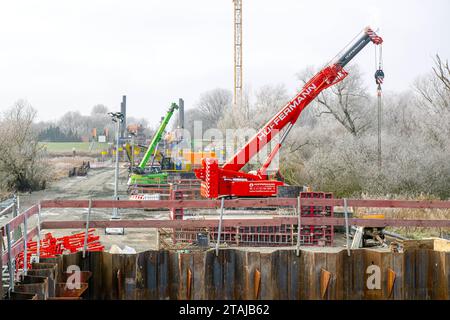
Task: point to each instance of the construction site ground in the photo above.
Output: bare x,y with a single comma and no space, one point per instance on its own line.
99,184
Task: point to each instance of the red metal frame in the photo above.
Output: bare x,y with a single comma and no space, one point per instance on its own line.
276,221
176,213
277,235
51,247
317,234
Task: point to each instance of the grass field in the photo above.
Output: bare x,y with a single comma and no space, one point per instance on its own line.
66,147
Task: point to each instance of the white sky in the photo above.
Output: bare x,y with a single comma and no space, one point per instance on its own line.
70,55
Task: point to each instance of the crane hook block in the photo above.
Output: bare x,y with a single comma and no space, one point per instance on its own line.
379,76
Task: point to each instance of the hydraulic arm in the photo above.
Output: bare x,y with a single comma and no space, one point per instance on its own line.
139,174
228,180
156,138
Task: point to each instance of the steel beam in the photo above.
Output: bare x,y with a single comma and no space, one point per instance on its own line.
153,223
255,203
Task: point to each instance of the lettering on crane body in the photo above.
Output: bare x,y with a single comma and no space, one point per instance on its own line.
286,111
261,187
356,47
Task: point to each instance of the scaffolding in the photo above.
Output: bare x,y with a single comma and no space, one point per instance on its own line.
260,235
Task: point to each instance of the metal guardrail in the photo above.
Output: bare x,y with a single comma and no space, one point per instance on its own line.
249,203
16,242
6,209
6,202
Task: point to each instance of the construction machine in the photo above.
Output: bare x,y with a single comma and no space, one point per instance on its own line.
143,174
132,150
229,180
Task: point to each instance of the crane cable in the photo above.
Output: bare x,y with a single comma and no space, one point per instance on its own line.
379,77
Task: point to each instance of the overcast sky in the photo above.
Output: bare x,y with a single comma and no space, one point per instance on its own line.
70,55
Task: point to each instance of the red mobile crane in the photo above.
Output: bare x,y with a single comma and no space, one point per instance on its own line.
228,180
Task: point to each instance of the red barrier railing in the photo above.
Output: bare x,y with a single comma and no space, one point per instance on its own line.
18,246
250,203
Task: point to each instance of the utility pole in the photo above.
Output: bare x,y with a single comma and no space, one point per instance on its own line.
116,171
118,118
123,110
180,132
132,134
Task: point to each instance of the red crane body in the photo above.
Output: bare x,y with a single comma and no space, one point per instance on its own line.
228,180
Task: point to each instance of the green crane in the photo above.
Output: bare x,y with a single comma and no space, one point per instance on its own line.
140,175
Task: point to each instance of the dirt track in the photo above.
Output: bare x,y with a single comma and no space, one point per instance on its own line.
99,183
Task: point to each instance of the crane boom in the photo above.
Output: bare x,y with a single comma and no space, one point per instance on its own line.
228,180
157,137
325,78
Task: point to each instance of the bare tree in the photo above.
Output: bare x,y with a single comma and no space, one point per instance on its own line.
433,89
400,116
212,105
81,125
98,119
442,71
269,99
347,101
433,101
74,121
191,116
240,116
99,109
22,166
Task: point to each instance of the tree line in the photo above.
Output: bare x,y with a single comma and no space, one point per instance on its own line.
54,134
74,126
